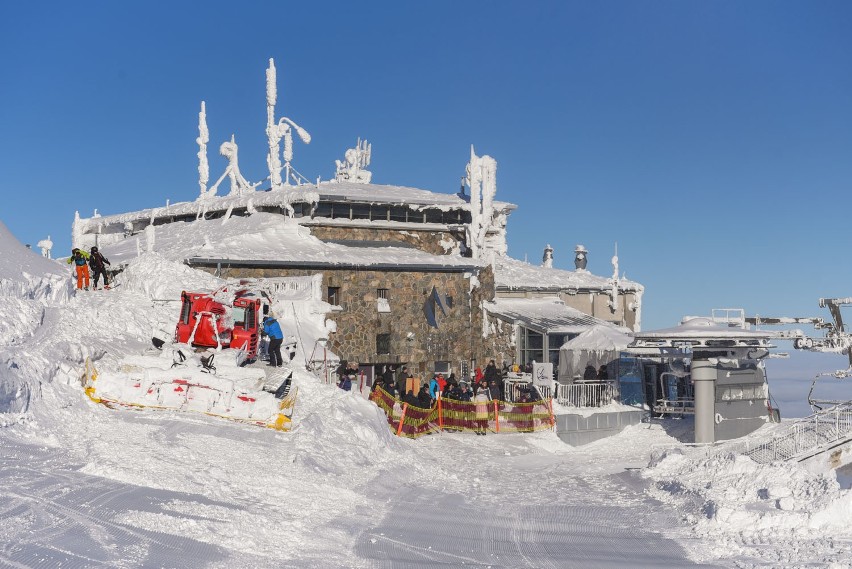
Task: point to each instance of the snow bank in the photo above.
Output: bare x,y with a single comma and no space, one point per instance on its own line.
741,503
159,278
27,275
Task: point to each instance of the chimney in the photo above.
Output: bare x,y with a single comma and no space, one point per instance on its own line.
580,258
547,259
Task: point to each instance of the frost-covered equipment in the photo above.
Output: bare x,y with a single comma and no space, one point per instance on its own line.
836,338
222,320
154,381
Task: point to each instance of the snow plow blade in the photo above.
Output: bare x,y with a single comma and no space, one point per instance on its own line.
151,382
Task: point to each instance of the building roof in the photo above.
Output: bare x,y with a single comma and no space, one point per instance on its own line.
384,194
512,274
543,315
308,193
271,240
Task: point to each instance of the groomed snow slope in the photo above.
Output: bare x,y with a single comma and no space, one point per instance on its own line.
82,485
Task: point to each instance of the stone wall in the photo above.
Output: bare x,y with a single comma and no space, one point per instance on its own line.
431,241
457,339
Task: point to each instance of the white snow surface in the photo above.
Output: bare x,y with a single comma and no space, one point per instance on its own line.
599,339
512,273
268,237
82,485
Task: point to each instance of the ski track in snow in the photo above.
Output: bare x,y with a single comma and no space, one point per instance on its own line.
85,486
523,511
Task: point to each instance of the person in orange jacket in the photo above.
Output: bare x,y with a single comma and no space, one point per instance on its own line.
80,259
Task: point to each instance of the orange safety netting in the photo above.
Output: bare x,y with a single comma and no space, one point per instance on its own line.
451,415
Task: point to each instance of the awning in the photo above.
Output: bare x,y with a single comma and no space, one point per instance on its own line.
543,315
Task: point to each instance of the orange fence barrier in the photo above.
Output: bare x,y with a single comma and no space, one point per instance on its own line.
451,415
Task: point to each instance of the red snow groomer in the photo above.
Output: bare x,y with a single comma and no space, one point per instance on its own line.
222,319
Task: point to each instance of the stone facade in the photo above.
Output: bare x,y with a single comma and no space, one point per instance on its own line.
457,339
594,303
430,241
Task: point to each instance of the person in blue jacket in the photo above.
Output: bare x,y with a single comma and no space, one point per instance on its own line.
276,337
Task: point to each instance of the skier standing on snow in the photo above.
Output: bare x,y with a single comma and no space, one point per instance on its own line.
97,262
79,259
276,337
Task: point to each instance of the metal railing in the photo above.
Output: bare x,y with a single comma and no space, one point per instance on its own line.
592,394
515,390
801,440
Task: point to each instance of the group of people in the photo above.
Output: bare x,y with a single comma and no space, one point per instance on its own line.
591,374
486,386
82,261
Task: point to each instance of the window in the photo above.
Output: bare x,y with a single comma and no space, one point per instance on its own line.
449,300
555,342
382,300
398,213
531,346
251,318
360,211
442,367
334,295
238,315
433,216
185,310
323,209
340,210
383,342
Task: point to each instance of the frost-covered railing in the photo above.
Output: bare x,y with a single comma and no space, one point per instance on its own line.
519,390
804,438
592,394
295,288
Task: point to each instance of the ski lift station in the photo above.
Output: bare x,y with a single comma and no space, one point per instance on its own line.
423,279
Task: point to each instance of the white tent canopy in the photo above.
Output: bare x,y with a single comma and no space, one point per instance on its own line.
599,345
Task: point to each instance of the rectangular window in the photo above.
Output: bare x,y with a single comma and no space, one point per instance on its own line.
383,342
323,209
238,315
333,295
382,293
399,213
433,216
340,210
360,211
442,367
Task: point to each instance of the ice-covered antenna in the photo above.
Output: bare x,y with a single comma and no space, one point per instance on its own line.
272,159
202,140
613,293
239,185
355,161
482,181
276,131
45,245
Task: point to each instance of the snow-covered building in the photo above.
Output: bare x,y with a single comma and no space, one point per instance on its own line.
412,276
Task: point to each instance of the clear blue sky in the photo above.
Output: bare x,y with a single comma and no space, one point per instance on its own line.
711,140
